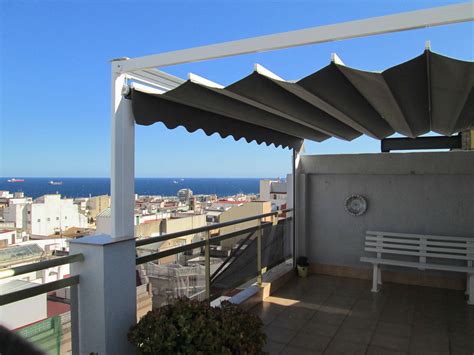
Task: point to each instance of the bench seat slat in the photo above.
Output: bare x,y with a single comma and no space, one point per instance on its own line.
418,265
395,246
462,244
392,239
433,237
419,253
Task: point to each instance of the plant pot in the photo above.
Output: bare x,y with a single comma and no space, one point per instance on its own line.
302,270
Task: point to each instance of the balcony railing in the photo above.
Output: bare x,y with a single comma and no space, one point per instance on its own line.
254,240
256,232
41,288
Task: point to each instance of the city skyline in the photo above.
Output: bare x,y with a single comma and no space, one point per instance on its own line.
64,129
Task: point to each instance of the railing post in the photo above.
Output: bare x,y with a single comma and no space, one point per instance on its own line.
74,320
106,295
259,252
207,264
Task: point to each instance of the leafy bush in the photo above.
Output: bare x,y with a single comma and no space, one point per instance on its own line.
193,327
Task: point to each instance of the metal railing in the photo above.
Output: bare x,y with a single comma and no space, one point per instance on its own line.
74,280
40,288
208,240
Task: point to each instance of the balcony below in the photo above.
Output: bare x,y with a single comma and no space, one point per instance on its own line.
333,315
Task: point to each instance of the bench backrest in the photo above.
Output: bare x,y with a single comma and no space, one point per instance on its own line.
422,246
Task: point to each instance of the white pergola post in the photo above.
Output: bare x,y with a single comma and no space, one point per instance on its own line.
106,295
123,158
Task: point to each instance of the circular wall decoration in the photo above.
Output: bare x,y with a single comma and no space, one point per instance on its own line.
356,205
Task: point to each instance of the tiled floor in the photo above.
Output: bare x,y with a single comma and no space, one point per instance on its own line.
331,315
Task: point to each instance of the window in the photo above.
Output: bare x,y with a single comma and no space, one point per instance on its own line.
57,218
274,196
65,217
48,219
38,220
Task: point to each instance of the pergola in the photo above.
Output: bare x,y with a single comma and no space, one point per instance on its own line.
428,93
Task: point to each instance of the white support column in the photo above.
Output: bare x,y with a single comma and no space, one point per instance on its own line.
123,158
106,295
299,206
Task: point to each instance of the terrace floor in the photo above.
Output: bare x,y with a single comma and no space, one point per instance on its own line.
332,315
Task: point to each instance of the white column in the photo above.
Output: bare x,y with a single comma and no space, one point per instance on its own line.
299,205
106,295
106,298
123,159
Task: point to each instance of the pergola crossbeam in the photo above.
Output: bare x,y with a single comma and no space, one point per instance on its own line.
431,17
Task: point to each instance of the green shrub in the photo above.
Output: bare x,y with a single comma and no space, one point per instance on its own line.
193,327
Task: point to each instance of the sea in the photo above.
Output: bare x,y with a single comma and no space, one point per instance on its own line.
85,187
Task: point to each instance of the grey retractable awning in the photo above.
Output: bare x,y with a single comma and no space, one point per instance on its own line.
427,93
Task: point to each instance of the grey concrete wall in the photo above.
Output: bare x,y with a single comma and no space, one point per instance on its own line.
427,193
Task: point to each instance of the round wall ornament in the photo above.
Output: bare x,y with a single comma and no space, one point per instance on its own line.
356,205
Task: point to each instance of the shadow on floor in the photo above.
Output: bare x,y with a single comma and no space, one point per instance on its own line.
332,315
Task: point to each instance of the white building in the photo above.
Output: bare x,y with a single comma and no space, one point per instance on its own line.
49,214
16,212
184,195
274,191
5,194
7,237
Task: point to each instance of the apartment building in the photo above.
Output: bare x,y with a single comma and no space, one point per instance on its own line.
16,211
50,214
274,191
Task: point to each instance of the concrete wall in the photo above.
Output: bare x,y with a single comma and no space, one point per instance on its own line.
427,193
97,204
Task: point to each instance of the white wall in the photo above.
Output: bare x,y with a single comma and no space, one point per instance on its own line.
24,312
9,236
50,213
265,190
16,212
419,193
103,225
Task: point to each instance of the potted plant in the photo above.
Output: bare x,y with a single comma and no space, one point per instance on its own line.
193,327
302,266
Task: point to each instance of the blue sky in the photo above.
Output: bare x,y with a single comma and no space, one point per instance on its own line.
55,77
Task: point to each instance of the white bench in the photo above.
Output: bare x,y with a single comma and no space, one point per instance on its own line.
425,249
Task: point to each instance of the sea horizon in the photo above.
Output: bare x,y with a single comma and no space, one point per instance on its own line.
165,186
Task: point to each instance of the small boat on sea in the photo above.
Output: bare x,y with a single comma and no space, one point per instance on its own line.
15,180
51,182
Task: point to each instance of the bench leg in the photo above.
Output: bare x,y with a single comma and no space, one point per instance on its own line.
375,276
379,276
470,288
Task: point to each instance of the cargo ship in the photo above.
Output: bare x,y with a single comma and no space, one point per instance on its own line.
16,180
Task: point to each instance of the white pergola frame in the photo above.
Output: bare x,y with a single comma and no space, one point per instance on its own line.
142,71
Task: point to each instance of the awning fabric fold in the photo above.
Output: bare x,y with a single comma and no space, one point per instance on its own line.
430,92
